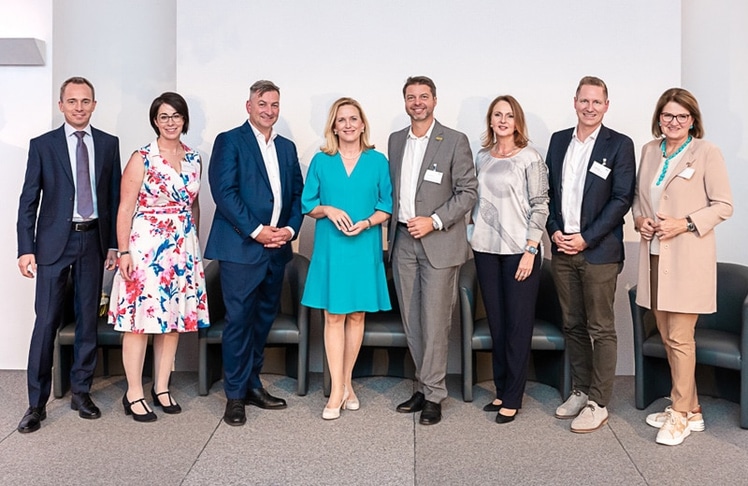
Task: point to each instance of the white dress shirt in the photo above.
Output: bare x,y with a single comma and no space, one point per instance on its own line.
270,158
415,149
576,160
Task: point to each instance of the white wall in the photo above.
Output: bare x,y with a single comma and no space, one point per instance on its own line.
316,51
26,106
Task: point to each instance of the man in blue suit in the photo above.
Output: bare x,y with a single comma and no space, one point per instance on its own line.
592,172
256,184
67,223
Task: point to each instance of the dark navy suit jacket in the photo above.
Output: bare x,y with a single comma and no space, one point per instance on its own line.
244,200
49,181
605,201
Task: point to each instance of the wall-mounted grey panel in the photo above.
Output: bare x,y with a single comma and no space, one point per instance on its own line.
21,52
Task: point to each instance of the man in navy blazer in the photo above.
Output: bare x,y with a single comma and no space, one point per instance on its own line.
592,172
57,238
256,184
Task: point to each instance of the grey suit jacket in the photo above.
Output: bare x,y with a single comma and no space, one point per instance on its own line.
449,152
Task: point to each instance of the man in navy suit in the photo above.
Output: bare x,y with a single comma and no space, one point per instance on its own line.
256,184
592,171
62,232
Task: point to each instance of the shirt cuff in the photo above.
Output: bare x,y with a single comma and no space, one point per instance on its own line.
256,232
293,233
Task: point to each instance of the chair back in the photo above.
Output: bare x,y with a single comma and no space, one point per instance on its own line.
732,290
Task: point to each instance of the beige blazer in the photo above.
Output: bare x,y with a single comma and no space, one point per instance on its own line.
687,276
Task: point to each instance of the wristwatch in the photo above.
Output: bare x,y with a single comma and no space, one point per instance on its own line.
690,226
532,250
434,224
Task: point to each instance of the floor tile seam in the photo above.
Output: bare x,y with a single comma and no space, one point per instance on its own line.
199,454
626,451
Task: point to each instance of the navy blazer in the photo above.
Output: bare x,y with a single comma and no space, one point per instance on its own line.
49,179
605,201
244,200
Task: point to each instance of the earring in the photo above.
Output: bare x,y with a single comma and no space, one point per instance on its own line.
335,132
659,124
691,127
363,130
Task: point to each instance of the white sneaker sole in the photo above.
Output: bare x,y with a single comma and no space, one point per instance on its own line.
587,431
674,441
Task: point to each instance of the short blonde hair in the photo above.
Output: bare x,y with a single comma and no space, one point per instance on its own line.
332,145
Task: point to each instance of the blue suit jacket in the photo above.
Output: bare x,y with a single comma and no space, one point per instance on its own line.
49,181
605,201
244,200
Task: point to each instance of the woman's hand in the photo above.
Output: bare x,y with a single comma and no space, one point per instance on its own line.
339,218
670,227
646,227
357,228
125,266
524,269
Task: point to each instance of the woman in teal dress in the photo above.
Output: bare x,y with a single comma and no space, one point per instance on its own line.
348,191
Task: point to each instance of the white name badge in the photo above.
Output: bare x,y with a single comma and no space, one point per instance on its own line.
600,170
687,173
433,176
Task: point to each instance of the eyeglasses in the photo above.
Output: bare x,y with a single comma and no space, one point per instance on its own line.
668,117
163,118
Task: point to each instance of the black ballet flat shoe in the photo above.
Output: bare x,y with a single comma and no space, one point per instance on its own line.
149,416
172,408
505,419
491,407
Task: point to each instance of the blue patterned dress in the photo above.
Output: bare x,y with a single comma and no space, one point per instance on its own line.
167,290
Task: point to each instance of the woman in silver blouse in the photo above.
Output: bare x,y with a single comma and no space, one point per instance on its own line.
509,219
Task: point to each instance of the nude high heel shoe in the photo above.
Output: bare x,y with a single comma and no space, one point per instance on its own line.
333,413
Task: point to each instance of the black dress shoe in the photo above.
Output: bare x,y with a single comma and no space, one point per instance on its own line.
86,408
259,397
505,419
432,413
234,414
32,419
172,408
413,404
491,407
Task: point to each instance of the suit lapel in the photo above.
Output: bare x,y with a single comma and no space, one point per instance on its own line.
398,150
432,148
598,150
61,150
99,155
686,160
248,138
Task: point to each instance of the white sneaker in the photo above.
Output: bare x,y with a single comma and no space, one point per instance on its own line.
674,430
591,418
573,405
695,419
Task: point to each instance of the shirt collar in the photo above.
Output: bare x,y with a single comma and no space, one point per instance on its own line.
592,136
426,136
260,136
69,130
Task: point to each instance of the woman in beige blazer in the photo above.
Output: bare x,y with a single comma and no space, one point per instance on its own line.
682,193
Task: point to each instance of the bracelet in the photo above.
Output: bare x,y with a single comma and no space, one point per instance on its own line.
120,253
368,221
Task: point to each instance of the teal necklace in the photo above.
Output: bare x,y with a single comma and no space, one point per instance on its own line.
668,159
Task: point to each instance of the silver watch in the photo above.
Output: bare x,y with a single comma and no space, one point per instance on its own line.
532,250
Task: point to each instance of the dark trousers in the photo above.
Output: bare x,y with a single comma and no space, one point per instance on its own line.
251,294
510,308
586,293
82,256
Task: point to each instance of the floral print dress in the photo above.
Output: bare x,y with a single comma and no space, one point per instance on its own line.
167,290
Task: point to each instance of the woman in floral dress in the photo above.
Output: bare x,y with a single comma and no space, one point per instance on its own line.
159,288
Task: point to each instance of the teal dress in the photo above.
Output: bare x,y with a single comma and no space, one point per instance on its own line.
346,273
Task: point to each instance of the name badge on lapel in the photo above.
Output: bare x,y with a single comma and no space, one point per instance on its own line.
600,170
687,173
433,175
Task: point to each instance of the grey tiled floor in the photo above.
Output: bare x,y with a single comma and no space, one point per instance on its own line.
374,445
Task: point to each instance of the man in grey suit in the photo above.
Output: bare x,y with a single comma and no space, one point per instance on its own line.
434,186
